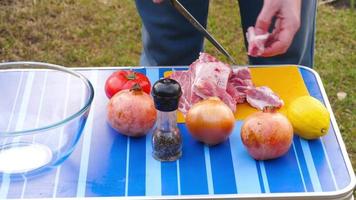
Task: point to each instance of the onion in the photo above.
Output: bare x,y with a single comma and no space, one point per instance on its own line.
210,121
131,112
267,134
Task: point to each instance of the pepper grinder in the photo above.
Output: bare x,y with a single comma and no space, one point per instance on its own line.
166,138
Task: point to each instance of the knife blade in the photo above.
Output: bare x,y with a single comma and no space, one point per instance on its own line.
181,9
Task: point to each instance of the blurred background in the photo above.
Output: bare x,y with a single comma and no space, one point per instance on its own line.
83,33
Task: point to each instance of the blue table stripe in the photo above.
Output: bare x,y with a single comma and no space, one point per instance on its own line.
153,171
107,162
336,159
67,174
87,134
11,90
46,104
127,167
263,174
40,84
245,169
68,93
283,173
178,178
140,69
222,169
260,178
299,166
153,167
303,165
152,74
137,167
10,188
17,188
311,84
322,168
5,183
25,103
208,170
310,165
169,178
35,100
193,180
163,70
19,96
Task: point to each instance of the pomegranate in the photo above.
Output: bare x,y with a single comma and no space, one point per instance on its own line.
131,112
267,135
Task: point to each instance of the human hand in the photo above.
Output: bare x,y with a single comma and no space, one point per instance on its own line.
287,14
157,1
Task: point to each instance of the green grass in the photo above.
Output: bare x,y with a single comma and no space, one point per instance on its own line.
106,33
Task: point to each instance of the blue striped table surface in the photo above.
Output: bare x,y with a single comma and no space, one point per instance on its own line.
107,164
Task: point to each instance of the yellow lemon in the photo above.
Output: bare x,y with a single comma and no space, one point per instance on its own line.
309,117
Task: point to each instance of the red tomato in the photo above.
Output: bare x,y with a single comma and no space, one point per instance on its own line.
125,79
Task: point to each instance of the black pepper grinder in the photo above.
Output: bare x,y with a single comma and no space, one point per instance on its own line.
166,139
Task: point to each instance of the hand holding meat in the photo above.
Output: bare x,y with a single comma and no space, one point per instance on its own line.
265,44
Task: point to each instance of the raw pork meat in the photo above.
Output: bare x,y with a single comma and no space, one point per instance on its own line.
208,88
188,97
261,97
239,82
211,79
207,77
256,43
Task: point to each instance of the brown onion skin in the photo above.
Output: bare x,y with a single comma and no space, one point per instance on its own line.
131,112
210,121
267,135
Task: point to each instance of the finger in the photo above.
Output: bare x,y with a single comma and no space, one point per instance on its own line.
275,33
264,19
280,45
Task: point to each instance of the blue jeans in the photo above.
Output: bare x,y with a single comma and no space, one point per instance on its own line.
169,39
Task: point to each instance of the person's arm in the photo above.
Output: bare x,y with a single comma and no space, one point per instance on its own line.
287,15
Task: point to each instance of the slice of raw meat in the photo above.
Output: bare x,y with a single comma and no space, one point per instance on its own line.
239,82
188,98
206,88
256,43
239,97
216,72
261,97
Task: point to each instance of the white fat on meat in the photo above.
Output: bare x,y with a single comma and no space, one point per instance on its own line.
216,73
261,97
256,42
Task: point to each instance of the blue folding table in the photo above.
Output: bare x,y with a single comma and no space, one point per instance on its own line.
108,165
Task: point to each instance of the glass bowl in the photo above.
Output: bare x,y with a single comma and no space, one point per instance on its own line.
43,110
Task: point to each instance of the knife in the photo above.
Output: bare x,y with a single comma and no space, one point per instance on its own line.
201,29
